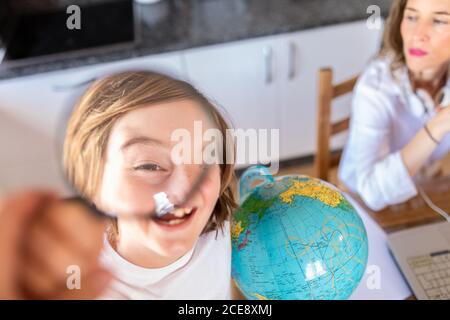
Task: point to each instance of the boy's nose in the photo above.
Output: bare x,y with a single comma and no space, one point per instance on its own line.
181,183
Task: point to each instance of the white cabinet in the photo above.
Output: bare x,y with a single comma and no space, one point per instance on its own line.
264,83
271,82
33,108
346,48
241,78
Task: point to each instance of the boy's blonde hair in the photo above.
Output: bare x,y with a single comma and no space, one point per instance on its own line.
103,104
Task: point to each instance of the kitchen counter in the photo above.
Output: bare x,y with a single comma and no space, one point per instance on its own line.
173,25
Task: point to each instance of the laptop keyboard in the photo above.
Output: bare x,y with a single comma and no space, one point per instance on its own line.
433,273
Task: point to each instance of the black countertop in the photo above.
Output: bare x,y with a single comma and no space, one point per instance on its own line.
172,25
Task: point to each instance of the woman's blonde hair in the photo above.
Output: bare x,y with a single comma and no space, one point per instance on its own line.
103,104
392,44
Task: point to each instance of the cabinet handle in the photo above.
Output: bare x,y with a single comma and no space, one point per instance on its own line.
72,86
268,57
292,60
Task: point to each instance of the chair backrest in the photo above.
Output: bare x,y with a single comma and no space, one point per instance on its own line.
327,91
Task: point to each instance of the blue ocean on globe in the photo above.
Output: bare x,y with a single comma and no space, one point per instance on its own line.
295,237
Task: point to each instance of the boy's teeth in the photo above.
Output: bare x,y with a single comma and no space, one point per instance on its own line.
174,221
181,212
178,213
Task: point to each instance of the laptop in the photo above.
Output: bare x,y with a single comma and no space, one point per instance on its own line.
423,255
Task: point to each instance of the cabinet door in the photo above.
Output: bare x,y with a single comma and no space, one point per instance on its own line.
34,109
347,48
242,79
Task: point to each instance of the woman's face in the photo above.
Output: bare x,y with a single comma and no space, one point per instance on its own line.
425,30
139,164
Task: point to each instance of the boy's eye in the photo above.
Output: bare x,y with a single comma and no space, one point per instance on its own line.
148,167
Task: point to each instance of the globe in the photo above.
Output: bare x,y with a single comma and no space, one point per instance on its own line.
295,237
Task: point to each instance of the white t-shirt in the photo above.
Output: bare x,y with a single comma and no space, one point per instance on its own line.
202,273
386,115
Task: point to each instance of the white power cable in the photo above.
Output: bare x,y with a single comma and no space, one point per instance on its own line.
432,205
443,100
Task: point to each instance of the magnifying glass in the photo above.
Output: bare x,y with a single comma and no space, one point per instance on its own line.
167,189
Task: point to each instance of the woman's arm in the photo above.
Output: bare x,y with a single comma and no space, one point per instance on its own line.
369,167
419,149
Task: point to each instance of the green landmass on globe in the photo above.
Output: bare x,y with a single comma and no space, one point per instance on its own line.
296,237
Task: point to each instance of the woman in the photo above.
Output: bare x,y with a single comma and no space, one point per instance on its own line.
398,129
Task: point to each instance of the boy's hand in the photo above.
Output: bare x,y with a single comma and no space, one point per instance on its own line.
16,212
65,239
47,237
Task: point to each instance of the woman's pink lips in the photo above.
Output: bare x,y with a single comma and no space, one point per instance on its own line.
417,52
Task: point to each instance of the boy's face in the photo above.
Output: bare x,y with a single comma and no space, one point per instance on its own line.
139,164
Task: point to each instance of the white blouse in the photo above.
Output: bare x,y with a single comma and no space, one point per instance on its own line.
386,115
204,273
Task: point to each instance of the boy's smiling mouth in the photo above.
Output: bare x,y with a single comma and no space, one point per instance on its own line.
176,216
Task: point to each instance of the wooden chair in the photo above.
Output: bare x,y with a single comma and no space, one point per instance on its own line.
327,91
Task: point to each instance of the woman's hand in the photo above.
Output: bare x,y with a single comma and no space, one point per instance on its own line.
439,125
44,242
419,149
